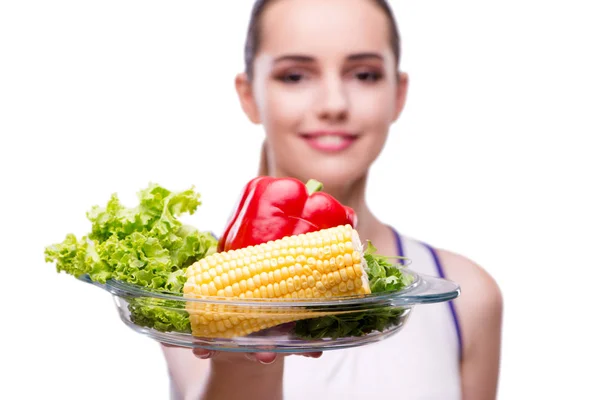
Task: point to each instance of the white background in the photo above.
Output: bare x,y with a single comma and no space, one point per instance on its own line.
495,157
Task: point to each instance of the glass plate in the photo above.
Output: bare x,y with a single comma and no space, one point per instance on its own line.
298,325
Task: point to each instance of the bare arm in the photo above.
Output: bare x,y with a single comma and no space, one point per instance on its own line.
188,374
227,376
479,310
230,380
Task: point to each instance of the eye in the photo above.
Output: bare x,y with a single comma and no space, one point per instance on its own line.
368,76
291,77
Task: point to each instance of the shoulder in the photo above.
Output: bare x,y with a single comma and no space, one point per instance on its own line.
480,303
480,293
475,280
479,310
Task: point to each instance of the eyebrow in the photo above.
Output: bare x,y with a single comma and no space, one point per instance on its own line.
294,57
306,59
362,56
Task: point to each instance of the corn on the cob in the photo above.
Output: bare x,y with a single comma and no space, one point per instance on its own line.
318,264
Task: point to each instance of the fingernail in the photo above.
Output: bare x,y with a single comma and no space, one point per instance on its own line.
203,354
267,359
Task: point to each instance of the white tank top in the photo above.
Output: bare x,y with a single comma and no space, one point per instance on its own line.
420,362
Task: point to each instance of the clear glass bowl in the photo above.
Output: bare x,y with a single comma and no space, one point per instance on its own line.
298,325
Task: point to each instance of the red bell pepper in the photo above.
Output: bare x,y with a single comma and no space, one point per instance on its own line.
271,208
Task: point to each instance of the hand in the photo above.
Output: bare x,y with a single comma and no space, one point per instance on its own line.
243,357
261,357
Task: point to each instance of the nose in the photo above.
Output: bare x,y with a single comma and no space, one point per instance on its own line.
332,104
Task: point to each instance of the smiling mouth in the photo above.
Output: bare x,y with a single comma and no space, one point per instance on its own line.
329,141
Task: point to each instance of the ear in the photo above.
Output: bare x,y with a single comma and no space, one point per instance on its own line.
401,90
244,90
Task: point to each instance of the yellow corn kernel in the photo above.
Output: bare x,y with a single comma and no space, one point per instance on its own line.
318,264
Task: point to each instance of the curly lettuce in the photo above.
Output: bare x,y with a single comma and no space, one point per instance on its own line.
146,245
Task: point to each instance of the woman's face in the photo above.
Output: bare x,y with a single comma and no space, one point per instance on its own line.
325,88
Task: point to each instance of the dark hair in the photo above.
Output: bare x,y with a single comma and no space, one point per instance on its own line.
253,34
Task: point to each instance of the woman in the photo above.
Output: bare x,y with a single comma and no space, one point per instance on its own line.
322,77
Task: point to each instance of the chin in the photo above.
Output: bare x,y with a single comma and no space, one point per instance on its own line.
334,175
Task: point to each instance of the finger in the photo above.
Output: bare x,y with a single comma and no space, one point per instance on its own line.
203,353
315,354
265,358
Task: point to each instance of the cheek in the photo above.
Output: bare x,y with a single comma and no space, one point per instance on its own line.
285,108
374,107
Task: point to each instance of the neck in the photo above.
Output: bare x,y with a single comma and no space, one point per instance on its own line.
354,195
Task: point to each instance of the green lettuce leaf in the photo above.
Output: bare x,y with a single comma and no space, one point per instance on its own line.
161,315
384,276
145,245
